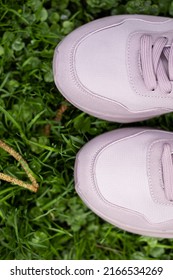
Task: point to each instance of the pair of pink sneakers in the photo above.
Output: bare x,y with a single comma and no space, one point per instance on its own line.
120,68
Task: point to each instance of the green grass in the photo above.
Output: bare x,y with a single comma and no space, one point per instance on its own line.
54,223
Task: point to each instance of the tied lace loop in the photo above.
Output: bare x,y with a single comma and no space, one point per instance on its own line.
157,63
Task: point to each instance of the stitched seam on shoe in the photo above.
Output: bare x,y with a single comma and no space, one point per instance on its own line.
149,173
88,92
72,55
93,95
92,167
95,185
73,72
94,160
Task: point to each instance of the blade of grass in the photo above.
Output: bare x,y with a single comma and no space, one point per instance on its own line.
35,119
8,116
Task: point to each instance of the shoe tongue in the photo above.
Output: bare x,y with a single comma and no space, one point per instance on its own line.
167,171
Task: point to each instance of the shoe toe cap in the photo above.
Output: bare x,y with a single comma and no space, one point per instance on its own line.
112,181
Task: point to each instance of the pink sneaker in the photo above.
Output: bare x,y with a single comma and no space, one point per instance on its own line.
126,177
118,68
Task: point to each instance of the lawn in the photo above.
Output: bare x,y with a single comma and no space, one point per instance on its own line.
47,131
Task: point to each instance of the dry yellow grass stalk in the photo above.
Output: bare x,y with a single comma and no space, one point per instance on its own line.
33,186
